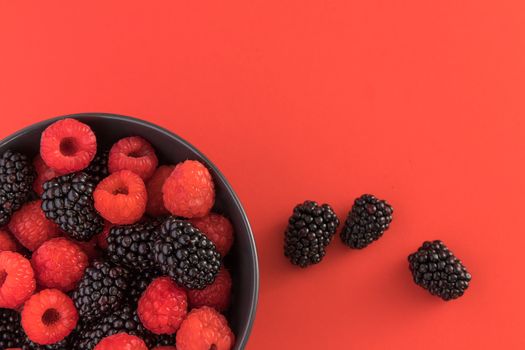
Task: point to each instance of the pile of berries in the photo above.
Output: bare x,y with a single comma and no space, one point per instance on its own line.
105,249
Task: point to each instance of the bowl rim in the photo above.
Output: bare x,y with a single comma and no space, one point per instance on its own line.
256,282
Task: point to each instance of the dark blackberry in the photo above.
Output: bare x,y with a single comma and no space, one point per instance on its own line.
186,254
61,345
310,230
10,331
101,290
124,319
436,269
68,201
16,183
138,285
130,245
367,221
162,340
98,168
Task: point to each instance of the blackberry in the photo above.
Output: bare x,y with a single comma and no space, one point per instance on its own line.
98,168
130,245
186,254
162,340
435,268
138,285
101,290
124,319
16,183
68,201
310,230
10,329
61,345
367,221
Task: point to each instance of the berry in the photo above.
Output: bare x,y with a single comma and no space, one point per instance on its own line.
98,168
367,221
59,263
162,341
155,205
185,254
68,201
102,237
121,341
68,145
90,248
216,295
43,173
134,154
16,180
61,345
139,283
101,290
218,229
435,268
31,227
49,317
10,334
130,245
121,198
189,190
205,329
163,306
163,347
124,319
17,280
310,230
7,242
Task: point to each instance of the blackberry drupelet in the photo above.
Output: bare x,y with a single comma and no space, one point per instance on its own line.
101,290
310,230
130,245
162,340
68,201
367,221
10,329
98,168
138,285
16,183
435,268
186,254
61,345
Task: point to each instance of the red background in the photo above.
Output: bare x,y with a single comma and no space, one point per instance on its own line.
419,102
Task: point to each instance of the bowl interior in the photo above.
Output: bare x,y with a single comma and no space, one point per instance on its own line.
171,149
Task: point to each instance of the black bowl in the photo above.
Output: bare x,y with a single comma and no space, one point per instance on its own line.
171,149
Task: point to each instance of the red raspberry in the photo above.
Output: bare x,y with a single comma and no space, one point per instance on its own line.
189,190
49,316
155,206
135,154
7,242
59,263
163,306
43,174
17,280
31,227
68,145
218,229
121,341
215,295
121,198
205,329
102,237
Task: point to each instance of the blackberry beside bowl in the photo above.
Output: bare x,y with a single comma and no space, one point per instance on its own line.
171,149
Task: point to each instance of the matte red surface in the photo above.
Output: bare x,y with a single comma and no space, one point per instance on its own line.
419,102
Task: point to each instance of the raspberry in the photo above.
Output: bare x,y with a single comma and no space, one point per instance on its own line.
102,237
68,145
205,329
134,154
31,227
162,306
155,205
59,263
49,317
17,280
218,229
7,242
43,173
121,198
121,341
189,190
216,295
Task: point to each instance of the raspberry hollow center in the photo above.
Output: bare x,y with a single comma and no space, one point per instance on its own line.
50,317
213,347
3,277
121,190
68,146
139,153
